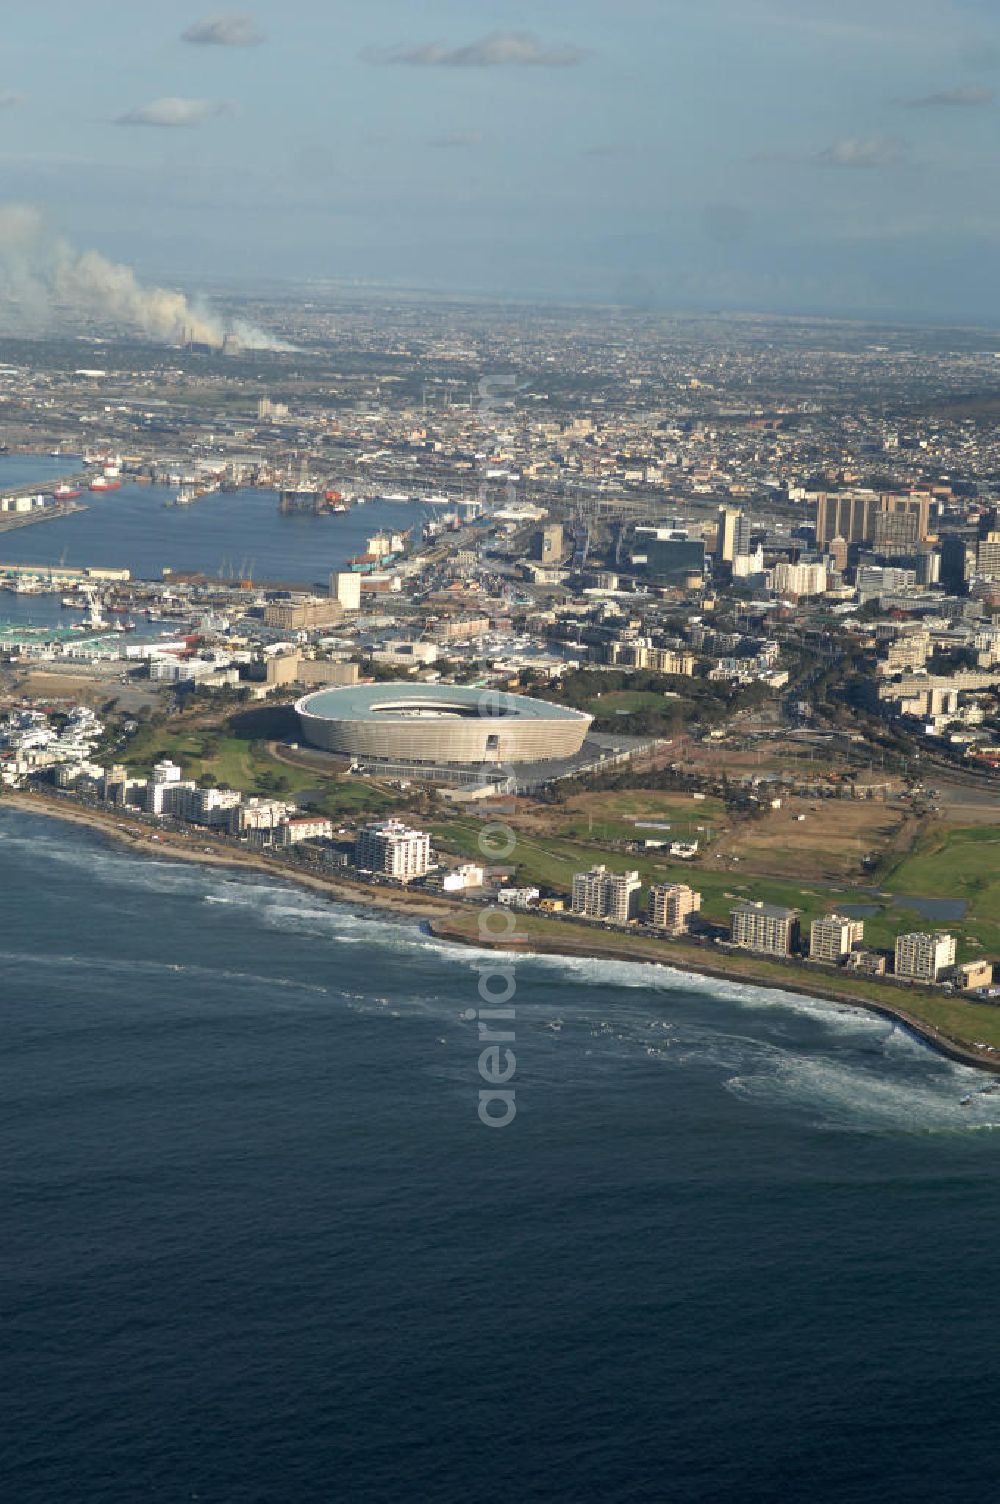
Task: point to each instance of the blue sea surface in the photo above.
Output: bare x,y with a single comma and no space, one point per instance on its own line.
736,1245
227,534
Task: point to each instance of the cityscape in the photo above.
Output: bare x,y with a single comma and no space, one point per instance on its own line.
499,751
761,633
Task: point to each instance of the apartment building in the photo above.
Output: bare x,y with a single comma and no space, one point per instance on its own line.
393,848
600,894
671,906
833,937
766,928
923,957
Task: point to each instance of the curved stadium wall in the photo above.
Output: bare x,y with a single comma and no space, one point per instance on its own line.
436,723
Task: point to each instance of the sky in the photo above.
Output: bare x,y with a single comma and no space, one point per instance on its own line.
794,156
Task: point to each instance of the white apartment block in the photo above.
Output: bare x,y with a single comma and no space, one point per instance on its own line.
834,936
671,906
764,927
924,957
393,848
305,828
166,791
600,894
800,579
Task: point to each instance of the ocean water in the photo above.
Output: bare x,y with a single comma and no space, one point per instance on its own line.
257,1246
225,534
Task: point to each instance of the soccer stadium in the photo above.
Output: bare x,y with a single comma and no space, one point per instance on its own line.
439,723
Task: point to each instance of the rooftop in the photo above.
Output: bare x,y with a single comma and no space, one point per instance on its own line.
409,701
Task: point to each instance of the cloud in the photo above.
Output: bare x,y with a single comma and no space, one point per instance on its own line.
223,31
456,139
861,152
501,49
172,112
951,98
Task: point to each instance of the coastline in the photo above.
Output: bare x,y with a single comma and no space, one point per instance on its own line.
451,921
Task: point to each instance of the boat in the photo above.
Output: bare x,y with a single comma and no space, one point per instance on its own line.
65,493
104,483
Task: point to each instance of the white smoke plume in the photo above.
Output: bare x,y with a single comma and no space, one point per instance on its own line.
45,281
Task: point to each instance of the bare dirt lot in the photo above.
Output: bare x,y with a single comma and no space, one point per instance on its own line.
829,842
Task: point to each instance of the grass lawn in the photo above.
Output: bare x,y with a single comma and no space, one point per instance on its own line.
550,862
243,762
954,862
611,816
961,863
625,701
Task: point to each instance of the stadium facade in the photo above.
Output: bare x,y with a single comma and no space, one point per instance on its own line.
444,724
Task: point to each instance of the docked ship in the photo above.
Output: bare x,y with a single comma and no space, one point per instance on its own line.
105,483
65,493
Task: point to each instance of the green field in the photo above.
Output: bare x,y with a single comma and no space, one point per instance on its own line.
625,701
551,862
612,816
961,863
957,862
244,763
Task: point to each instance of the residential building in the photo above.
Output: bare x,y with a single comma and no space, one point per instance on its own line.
833,937
305,828
923,957
460,878
600,894
517,898
166,789
870,963
393,848
974,974
671,906
764,927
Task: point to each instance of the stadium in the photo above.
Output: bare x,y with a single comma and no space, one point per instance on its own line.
444,724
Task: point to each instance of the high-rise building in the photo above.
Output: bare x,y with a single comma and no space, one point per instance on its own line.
671,906
800,579
548,543
924,957
600,894
668,556
391,847
852,514
167,789
848,514
732,538
764,927
988,557
346,588
895,534
834,936
837,550
957,555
